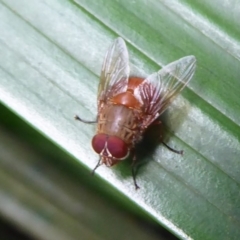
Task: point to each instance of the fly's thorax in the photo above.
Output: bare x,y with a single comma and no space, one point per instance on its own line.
119,121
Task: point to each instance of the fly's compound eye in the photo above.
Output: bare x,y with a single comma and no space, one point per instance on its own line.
110,146
117,147
99,142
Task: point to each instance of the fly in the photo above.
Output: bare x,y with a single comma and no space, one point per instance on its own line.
127,106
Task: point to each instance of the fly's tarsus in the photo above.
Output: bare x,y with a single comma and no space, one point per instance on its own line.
134,172
95,168
172,149
84,121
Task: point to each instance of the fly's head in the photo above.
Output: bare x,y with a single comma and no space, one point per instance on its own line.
111,149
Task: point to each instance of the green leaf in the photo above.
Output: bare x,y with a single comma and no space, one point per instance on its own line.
51,56
50,196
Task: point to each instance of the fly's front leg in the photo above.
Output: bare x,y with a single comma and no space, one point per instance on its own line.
84,121
98,164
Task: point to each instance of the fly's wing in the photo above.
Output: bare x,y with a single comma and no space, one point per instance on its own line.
115,71
158,90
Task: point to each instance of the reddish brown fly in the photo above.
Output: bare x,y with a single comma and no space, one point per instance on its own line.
128,105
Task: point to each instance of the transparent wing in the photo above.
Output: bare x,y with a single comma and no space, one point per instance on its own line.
115,70
158,90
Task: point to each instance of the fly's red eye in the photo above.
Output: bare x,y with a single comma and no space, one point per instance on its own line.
117,147
98,142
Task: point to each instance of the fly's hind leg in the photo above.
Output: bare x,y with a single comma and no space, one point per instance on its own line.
172,149
84,121
157,122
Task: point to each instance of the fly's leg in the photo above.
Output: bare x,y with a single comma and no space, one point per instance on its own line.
134,172
157,122
98,164
84,121
172,149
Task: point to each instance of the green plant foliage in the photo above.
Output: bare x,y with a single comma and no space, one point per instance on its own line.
51,56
